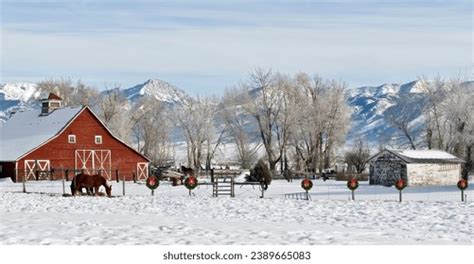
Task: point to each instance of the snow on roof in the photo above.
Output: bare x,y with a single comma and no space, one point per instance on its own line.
426,156
27,130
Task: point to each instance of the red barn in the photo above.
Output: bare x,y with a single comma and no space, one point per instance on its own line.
68,139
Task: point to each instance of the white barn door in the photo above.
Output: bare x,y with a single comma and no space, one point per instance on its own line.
102,161
84,160
91,161
31,166
142,170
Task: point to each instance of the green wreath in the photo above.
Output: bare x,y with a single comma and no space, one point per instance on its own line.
306,184
352,184
152,182
191,182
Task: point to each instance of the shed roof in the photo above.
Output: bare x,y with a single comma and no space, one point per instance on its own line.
27,130
422,156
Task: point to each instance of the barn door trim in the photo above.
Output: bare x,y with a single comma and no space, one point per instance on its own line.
82,158
91,161
103,161
31,166
142,170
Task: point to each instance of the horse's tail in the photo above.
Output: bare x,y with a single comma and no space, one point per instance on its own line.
73,186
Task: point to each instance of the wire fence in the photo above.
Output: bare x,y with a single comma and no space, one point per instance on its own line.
66,174
321,191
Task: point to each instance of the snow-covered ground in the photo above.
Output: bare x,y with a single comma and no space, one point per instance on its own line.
432,215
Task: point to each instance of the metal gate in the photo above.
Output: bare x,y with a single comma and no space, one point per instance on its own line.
93,161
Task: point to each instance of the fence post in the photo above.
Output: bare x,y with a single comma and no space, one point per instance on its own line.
117,175
66,172
37,175
123,184
134,178
64,187
232,193
462,195
24,183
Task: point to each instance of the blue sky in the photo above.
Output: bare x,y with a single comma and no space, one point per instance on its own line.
206,46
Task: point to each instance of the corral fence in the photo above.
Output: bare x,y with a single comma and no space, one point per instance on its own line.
65,175
58,182
55,174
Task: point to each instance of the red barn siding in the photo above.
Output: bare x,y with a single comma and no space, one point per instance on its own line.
85,126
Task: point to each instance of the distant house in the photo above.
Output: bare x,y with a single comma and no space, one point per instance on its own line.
34,144
418,167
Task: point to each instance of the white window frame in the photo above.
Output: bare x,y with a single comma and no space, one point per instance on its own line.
73,137
98,137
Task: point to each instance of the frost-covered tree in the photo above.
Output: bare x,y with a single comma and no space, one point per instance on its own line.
115,111
358,156
72,94
322,119
269,105
449,118
237,126
196,121
151,130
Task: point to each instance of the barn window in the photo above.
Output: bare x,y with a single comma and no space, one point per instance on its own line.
98,139
71,139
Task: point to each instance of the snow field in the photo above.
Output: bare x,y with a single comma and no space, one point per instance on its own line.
174,217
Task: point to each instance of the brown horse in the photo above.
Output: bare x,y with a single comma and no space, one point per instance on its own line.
75,188
90,182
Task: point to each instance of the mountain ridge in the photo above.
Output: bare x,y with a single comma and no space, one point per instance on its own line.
371,105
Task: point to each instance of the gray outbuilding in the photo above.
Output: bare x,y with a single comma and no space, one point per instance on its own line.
417,167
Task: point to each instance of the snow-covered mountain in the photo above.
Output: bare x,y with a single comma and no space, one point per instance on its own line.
158,89
372,105
17,97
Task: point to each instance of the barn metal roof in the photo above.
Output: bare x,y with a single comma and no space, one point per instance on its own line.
27,130
422,156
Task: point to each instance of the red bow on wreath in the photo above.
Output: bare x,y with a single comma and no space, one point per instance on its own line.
190,182
307,184
462,184
352,184
400,184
